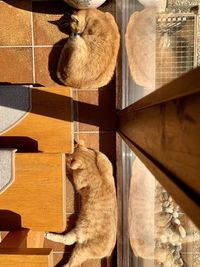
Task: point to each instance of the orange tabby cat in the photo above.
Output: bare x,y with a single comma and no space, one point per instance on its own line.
89,57
96,227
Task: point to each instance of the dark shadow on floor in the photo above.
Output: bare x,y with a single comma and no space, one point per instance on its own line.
21,143
45,7
9,220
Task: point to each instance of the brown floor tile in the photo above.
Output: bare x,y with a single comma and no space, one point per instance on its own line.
75,107
92,263
96,110
47,26
3,234
16,65
105,142
46,60
15,23
60,258
54,245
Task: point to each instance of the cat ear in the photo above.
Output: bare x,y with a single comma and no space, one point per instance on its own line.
75,18
76,164
81,143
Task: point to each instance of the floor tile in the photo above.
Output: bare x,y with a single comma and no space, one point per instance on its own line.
92,263
48,28
46,60
96,110
15,23
60,258
3,234
16,65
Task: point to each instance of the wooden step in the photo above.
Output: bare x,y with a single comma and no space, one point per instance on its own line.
37,197
26,257
49,125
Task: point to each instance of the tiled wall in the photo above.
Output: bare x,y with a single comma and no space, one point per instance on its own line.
30,44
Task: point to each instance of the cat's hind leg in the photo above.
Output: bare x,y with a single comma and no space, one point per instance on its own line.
80,254
67,239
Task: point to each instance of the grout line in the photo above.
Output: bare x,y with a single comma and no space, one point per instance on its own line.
29,46
93,132
77,117
60,252
33,51
93,89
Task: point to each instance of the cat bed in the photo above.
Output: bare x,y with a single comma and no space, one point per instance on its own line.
7,168
15,103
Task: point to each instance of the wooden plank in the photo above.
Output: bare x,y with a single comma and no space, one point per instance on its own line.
163,130
26,257
35,239
164,133
37,198
183,86
15,239
48,127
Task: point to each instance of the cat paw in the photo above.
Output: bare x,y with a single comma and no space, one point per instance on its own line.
45,235
48,235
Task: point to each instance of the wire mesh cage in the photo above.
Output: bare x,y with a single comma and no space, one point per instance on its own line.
176,38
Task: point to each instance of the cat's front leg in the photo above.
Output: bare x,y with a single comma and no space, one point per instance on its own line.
67,239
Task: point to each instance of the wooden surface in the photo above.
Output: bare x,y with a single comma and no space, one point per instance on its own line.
23,238
37,198
163,129
26,257
15,239
49,126
35,239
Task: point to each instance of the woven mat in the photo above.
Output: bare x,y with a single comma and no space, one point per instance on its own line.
15,102
7,168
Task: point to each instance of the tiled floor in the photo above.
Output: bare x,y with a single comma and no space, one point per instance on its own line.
31,38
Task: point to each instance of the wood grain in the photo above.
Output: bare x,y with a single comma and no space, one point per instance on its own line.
37,198
15,239
163,129
26,257
49,123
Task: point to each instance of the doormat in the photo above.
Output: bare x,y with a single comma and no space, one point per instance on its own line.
7,168
15,104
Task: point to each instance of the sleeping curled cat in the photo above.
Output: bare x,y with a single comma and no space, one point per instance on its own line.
96,227
89,56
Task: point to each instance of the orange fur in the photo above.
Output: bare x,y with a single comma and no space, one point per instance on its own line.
88,58
96,227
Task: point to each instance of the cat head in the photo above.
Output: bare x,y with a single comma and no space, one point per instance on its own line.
77,22
79,159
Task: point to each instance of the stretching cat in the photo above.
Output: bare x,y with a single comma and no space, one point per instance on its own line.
89,57
95,231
